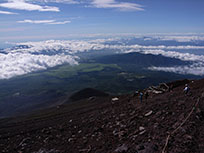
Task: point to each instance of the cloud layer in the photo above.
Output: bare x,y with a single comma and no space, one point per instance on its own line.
33,56
15,64
194,69
123,6
60,1
24,5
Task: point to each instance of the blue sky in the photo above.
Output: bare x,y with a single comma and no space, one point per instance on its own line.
25,20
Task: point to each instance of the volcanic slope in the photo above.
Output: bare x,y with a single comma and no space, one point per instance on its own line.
170,122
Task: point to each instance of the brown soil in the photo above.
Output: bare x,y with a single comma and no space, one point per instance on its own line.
100,125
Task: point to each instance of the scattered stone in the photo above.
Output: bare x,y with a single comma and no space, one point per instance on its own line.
158,113
58,135
117,123
73,136
70,139
46,151
122,149
24,142
46,139
91,98
121,134
84,138
156,125
132,113
141,128
149,113
115,99
122,115
115,132
189,137
50,128
118,129
86,150
146,148
142,132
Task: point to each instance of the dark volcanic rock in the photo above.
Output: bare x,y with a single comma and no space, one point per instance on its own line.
121,149
101,126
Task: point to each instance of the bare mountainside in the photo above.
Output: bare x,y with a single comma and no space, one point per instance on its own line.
166,122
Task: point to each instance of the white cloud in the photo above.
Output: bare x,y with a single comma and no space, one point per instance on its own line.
43,22
15,64
123,6
74,46
33,56
42,55
54,46
36,21
23,5
60,1
172,54
161,47
62,22
6,12
180,38
195,69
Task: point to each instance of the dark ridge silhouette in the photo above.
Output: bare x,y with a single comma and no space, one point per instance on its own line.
141,60
87,93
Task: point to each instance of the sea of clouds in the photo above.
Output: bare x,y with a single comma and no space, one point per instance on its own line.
29,57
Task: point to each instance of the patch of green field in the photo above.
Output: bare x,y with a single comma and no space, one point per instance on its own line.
65,78
67,71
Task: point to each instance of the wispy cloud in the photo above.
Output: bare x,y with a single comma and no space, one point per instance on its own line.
37,5
123,6
44,22
58,22
6,12
24,5
60,1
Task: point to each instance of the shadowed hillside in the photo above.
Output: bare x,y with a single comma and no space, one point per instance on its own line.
87,93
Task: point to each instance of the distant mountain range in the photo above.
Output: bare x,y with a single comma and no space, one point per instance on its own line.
141,60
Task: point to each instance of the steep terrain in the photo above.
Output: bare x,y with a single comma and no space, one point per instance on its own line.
167,122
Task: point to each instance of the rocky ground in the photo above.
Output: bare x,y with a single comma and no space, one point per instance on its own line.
113,124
